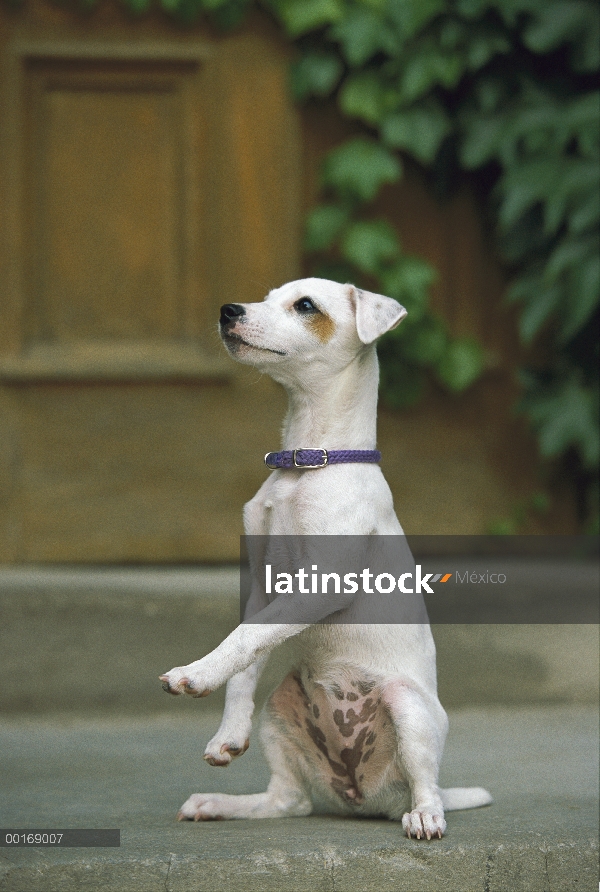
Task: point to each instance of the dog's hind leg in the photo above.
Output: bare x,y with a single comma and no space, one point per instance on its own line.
233,737
421,727
285,796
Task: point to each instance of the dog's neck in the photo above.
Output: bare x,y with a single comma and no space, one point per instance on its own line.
338,411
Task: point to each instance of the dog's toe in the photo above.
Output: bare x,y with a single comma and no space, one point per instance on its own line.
191,807
178,682
234,749
423,824
166,686
190,688
221,754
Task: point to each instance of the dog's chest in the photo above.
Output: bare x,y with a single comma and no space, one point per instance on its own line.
273,510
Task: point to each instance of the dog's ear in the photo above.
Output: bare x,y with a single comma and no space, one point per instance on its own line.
375,314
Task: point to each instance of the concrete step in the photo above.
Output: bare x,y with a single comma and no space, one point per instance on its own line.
88,739
95,639
132,773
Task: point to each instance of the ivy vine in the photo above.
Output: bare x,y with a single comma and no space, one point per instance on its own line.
506,89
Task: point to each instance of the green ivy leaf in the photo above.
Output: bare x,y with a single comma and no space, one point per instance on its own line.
482,140
537,311
361,33
489,93
583,296
480,48
408,280
377,5
363,97
301,16
570,252
428,67
472,9
578,180
567,416
586,53
525,185
579,118
412,16
315,74
323,226
359,168
585,214
369,244
461,364
540,301
230,14
556,23
419,131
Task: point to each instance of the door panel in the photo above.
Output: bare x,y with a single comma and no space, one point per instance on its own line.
112,144
144,187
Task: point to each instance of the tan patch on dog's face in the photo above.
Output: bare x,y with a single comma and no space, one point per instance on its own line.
322,326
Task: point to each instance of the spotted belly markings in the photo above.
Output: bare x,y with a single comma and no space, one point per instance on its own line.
345,781
363,687
347,723
341,731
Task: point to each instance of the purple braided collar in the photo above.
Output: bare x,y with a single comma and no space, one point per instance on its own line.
309,458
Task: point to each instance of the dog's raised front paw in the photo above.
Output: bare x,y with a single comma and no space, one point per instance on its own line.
186,680
423,824
181,685
221,751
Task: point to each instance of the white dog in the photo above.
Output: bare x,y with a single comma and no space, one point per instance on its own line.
358,728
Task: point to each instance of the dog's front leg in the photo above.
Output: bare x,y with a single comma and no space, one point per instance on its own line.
267,629
233,737
238,651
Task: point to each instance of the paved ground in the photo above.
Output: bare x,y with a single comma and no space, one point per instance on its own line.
89,739
540,835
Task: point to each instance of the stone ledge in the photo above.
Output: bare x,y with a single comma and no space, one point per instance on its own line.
539,835
97,639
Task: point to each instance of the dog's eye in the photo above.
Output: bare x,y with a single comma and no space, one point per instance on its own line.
305,305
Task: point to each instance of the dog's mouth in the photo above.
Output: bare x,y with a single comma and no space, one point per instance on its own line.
235,340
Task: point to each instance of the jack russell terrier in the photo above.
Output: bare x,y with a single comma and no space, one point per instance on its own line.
357,729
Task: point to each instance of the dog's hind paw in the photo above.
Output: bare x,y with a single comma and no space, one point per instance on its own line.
222,753
423,824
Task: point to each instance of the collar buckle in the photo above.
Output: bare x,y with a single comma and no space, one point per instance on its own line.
310,449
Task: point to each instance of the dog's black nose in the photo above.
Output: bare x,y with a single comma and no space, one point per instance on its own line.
230,312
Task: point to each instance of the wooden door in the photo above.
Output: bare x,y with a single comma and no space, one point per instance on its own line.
148,178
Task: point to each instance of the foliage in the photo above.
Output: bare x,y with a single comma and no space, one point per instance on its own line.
504,89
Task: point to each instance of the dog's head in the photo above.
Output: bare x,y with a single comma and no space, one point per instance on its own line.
308,321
